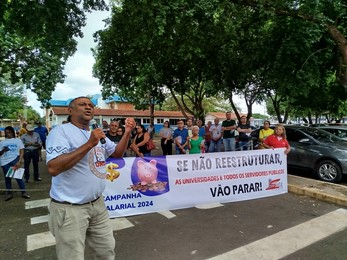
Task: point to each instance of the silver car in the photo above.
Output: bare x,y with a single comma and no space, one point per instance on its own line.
317,150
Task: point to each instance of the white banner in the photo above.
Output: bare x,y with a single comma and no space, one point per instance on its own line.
144,185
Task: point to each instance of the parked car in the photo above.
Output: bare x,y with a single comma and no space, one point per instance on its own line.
317,150
326,124
340,131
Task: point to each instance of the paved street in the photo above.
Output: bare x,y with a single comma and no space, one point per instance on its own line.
280,227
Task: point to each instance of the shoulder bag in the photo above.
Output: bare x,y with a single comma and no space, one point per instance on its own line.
150,145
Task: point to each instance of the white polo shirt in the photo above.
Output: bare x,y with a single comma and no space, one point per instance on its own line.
86,180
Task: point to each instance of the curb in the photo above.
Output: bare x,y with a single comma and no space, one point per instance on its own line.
314,191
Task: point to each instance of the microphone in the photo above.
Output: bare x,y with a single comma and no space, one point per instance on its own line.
94,125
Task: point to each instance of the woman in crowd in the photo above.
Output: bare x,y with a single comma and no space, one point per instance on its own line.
139,144
11,155
165,134
118,137
264,133
196,142
278,139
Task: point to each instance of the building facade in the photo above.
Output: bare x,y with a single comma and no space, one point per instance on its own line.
113,108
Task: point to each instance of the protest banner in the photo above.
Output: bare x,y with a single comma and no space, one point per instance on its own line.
151,184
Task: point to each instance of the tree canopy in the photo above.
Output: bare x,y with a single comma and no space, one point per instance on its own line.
163,47
287,51
13,103
36,39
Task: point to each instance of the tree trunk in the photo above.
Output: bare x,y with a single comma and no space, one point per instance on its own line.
178,103
151,109
277,109
309,115
249,110
234,107
285,117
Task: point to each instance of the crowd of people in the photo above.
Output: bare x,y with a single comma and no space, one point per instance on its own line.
77,214
24,148
217,136
193,137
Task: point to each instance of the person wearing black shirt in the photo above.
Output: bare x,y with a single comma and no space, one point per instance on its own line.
228,129
115,133
244,129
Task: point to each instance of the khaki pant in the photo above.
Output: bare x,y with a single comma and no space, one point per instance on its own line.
75,226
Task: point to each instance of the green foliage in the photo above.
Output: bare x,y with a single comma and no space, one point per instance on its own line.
37,37
260,116
163,46
211,104
294,58
28,114
12,102
289,52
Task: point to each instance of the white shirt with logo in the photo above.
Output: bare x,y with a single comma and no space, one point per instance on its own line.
14,145
85,181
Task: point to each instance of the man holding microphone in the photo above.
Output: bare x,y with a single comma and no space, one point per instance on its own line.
76,160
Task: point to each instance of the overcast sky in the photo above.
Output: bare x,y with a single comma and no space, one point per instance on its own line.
78,69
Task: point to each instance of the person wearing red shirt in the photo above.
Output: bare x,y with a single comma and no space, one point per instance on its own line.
278,139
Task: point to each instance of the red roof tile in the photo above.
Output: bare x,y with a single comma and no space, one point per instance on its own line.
221,115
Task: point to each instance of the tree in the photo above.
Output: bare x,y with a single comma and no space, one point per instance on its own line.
240,59
253,48
36,39
306,81
12,103
162,47
211,104
328,15
295,68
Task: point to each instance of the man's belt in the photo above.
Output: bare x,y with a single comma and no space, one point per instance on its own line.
73,204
